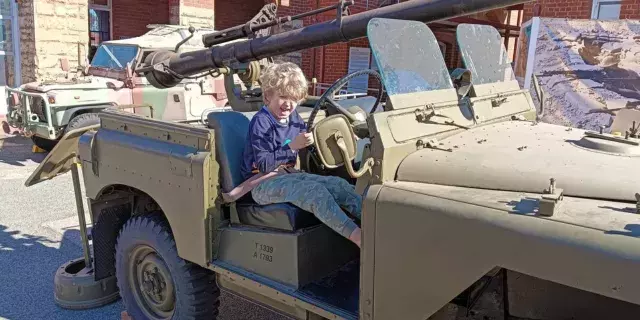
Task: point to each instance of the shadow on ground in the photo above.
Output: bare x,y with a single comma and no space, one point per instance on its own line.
16,150
28,264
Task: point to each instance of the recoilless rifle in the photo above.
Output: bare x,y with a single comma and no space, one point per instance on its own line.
461,185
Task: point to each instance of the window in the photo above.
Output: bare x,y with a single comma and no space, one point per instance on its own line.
114,56
99,21
606,10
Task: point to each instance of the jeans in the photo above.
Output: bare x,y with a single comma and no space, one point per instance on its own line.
321,195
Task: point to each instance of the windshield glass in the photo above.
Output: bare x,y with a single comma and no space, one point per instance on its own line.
483,53
114,56
408,56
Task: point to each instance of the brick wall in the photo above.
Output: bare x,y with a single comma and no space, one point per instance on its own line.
130,18
630,9
578,9
573,9
60,26
233,13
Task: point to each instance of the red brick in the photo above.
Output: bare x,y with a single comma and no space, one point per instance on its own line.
130,18
232,13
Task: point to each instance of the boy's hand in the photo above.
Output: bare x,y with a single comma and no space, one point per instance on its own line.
303,140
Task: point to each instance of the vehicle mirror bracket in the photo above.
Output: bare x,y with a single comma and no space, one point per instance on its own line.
551,199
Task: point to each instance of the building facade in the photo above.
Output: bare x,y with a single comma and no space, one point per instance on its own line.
42,32
583,9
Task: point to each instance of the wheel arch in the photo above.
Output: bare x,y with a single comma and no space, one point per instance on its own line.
71,113
111,208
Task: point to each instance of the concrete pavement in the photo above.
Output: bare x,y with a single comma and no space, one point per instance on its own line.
39,232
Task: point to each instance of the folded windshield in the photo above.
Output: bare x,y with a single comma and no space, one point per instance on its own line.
114,56
408,56
483,53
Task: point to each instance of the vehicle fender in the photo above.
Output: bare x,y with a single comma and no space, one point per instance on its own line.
62,117
432,242
171,174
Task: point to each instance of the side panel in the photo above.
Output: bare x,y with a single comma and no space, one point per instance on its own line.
431,249
169,162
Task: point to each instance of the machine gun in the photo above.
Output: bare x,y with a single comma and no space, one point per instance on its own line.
227,54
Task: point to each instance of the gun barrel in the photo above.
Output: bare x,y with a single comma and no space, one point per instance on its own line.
350,27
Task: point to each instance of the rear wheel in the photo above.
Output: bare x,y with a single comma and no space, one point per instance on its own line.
154,282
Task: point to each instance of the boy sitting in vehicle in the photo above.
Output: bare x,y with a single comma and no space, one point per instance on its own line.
276,134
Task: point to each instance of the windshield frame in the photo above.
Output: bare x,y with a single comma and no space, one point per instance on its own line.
478,58
113,72
414,83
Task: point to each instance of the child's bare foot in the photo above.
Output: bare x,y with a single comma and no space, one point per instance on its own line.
356,236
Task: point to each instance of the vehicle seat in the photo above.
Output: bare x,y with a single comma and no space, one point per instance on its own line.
230,132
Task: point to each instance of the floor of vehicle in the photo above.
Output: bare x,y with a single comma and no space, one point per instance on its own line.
339,289
337,293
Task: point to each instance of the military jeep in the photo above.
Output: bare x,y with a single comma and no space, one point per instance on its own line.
460,182
45,110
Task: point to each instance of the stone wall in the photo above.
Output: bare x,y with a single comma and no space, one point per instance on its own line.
27,45
5,9
60,27
196,13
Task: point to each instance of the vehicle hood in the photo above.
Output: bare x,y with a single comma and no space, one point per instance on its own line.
81,83
523,157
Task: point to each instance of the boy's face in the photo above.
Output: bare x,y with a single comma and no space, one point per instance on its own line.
280,107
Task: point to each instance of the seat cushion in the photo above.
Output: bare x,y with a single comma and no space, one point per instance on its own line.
281,216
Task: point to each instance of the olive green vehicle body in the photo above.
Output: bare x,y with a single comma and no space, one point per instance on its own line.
44,108
457,188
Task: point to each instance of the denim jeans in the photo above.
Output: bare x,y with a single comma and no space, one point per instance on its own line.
321,195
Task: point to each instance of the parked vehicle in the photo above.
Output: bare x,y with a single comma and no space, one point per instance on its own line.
460,183
45,110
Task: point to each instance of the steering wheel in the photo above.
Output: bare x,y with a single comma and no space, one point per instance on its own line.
335,88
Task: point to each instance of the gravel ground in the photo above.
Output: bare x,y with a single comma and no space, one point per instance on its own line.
38,234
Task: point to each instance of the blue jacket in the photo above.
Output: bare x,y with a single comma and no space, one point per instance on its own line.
267,145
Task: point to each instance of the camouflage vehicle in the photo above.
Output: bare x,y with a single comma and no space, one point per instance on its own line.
460,184
45,110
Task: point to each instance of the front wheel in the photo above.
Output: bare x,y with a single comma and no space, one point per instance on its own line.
154,282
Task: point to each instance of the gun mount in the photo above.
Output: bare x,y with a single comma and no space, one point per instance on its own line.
165,69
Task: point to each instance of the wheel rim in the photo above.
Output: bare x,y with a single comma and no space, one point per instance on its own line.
151,283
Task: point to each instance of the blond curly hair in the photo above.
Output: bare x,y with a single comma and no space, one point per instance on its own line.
284,79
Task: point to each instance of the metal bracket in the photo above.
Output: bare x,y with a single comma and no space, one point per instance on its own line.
551,200
342,9
498,101
431,144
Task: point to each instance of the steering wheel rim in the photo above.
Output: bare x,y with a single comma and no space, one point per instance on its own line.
337,86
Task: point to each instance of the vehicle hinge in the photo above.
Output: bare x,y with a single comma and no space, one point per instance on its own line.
498,101
551,199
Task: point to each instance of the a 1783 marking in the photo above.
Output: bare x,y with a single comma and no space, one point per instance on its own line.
263,252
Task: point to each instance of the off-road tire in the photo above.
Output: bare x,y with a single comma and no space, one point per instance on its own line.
44,143
81,121
196,293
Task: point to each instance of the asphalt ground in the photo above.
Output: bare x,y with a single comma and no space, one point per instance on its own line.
39,232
